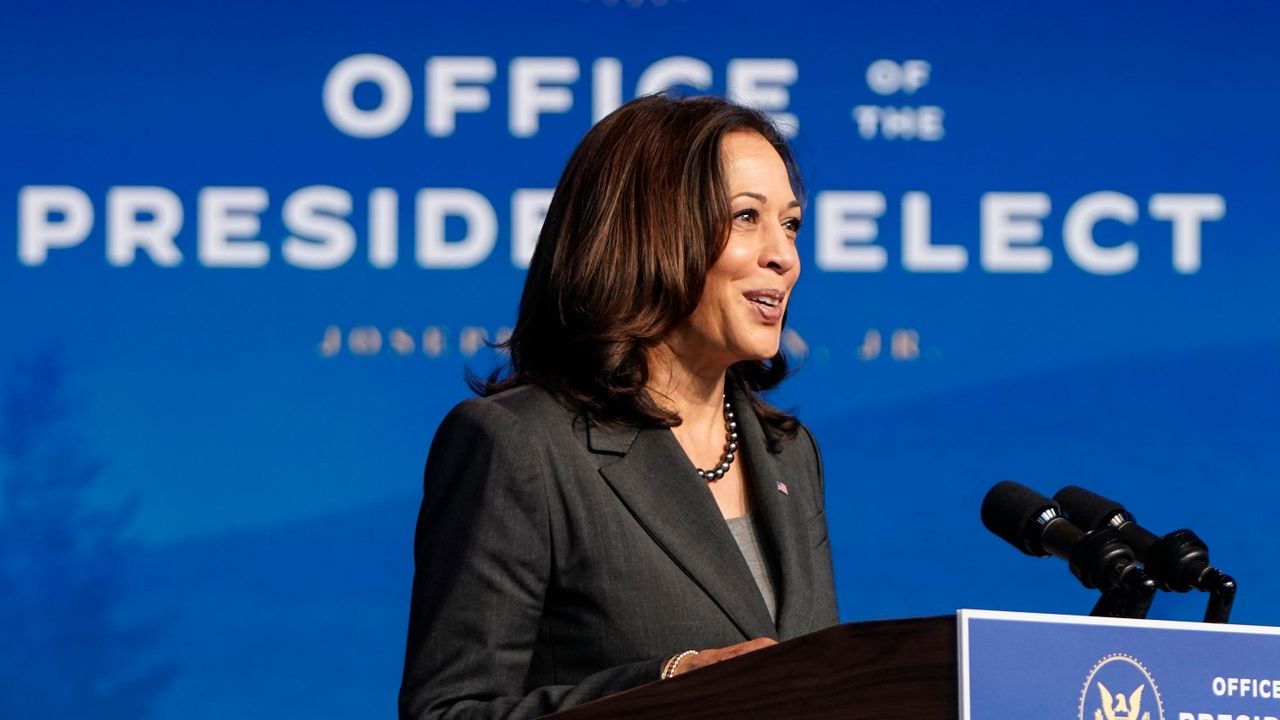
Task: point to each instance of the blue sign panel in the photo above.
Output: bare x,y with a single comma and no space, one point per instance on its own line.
249,249
1023,665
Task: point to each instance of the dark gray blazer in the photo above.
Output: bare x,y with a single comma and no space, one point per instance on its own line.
558,561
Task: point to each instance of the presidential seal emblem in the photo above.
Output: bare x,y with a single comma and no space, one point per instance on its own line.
1120,688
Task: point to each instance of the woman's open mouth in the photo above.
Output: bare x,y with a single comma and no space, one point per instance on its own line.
766,302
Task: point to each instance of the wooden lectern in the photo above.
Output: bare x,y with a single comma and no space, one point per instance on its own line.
889,669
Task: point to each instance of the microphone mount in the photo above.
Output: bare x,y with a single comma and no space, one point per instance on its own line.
1179,561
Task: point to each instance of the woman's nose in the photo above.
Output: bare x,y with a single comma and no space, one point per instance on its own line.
779,254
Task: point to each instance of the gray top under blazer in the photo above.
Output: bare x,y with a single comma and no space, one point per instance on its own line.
558,560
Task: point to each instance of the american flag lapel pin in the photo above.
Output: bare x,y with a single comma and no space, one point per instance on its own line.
782,488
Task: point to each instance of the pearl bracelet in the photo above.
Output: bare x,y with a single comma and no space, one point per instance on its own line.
673,663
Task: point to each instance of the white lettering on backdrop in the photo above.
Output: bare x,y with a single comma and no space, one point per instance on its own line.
148,221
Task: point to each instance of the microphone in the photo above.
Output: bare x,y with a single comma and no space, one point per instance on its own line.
1037,526
1179,561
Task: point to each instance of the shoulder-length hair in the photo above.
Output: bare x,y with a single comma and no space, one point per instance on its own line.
639,216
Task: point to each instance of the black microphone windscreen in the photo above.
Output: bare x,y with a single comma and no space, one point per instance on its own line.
1087,510
1010,510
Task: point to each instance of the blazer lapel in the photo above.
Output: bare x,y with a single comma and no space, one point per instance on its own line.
781,519
655,480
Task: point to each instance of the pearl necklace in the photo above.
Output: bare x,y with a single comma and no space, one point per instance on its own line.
730,446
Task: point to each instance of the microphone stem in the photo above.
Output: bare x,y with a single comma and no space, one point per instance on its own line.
1130,598
1222,594
1140,591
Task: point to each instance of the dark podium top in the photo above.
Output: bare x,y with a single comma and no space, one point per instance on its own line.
889,669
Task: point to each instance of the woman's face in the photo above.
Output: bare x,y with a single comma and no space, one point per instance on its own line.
740,314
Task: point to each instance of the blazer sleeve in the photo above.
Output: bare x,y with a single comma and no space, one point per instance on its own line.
483,558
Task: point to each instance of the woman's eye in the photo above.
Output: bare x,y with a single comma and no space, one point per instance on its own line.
792,224
749,215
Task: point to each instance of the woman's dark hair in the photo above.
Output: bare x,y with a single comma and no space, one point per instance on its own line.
639,216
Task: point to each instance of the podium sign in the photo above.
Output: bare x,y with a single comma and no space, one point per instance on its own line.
1020,665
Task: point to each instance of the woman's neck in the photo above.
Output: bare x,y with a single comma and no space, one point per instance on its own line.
696,394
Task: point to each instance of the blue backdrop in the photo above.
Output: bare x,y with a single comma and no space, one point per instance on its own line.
247,251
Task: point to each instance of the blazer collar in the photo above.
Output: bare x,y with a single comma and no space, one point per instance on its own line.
656,481
781,518
609,439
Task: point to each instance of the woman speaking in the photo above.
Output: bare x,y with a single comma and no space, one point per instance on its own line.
622,506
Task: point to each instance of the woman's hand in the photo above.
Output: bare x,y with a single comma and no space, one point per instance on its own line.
715,655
